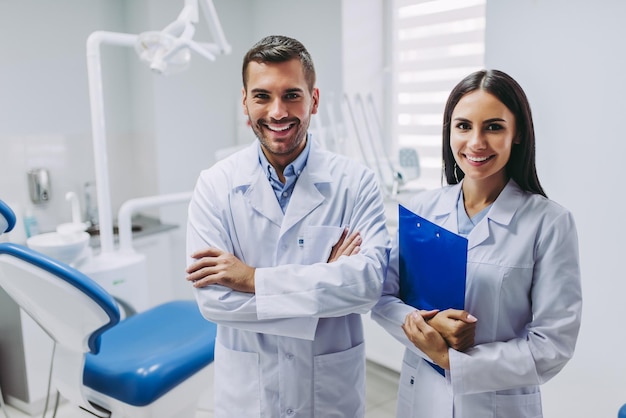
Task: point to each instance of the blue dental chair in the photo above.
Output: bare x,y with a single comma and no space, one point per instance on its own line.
153,364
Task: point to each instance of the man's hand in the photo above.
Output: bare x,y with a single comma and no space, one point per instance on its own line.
346,246
456,327
426,338
214,266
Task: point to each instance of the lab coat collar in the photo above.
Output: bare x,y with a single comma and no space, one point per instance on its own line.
252,180
306,196
247,173
507,203
501,212
316,165
444,208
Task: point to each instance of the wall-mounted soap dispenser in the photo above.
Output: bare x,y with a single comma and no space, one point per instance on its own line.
39,185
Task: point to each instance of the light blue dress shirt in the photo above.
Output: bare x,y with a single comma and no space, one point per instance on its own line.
292,172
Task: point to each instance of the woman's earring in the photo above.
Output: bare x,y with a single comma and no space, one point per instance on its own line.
455,175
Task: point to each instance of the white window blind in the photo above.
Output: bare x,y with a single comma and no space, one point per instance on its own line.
435,44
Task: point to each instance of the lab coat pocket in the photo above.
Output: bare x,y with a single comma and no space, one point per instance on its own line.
339,387
317,242
406,387
422,392
519,406
237,389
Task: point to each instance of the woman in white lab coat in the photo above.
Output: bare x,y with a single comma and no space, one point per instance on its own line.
523,293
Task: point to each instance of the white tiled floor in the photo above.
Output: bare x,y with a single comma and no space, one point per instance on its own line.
382,385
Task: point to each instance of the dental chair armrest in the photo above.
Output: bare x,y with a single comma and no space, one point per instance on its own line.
7,218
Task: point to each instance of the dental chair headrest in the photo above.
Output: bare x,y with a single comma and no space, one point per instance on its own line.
7,218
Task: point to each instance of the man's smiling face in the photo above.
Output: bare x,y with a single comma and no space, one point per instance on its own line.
279,104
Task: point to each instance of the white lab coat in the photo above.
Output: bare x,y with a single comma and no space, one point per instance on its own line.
523,285
295,348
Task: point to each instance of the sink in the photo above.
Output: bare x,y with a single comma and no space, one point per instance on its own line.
63,247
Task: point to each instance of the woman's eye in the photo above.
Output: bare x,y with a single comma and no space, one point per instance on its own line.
464,126
494,127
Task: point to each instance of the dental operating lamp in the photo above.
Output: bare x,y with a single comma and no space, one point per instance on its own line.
123,271
167,51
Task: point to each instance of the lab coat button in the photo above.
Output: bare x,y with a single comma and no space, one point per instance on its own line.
290,412
289,356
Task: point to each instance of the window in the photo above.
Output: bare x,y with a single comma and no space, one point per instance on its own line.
435,44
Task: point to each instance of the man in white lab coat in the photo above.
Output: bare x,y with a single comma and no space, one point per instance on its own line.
287,247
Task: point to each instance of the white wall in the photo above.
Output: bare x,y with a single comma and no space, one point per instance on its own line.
364,67
44,105
569,57
317,24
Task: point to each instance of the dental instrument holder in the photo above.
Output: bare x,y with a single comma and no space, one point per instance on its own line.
39,185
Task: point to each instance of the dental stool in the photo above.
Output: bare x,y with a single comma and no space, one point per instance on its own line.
153,364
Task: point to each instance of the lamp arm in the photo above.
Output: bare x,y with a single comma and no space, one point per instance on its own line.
210,15
208,51
190,11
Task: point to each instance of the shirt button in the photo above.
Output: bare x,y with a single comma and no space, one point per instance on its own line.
290,412
285,194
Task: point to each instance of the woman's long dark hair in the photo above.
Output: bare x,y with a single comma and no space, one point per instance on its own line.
521,165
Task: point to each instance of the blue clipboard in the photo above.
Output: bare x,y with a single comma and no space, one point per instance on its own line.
433,264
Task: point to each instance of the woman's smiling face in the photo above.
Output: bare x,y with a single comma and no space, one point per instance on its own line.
482,132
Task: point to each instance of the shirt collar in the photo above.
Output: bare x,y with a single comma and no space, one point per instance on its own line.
294,168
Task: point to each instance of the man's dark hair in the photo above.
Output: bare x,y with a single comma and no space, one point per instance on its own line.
277,48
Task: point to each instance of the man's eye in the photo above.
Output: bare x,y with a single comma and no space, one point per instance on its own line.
261,96
291,96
